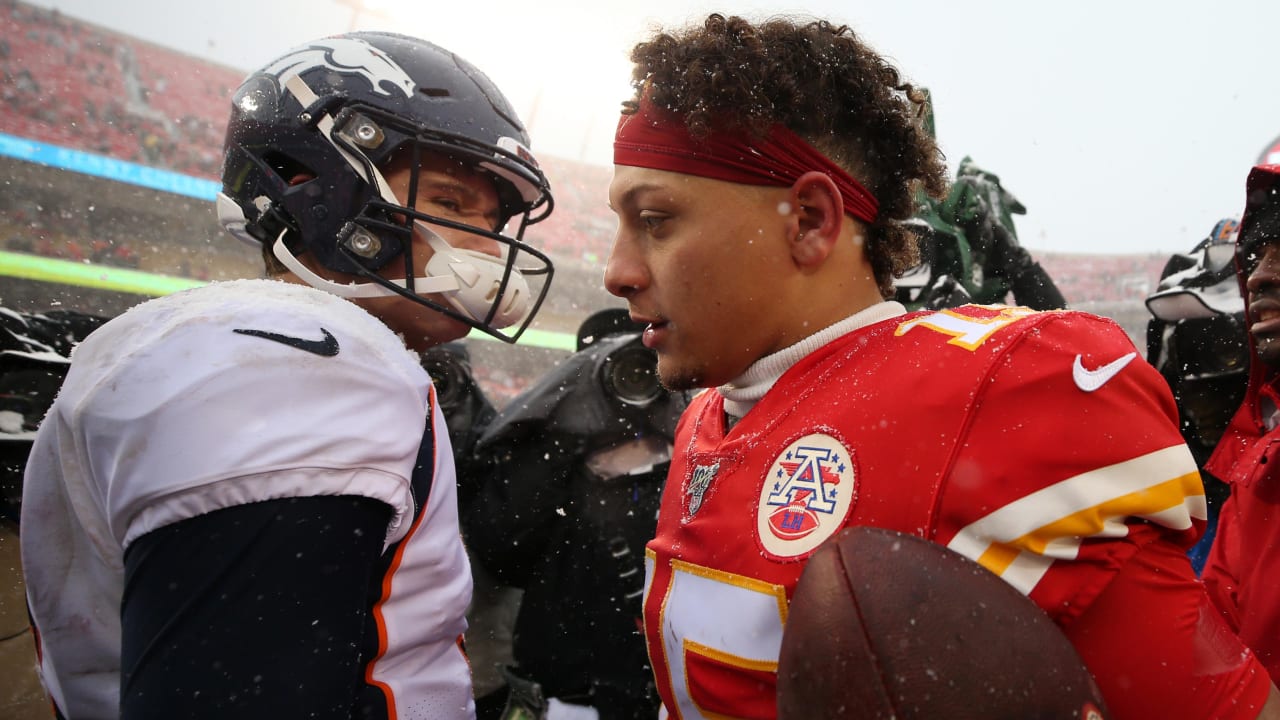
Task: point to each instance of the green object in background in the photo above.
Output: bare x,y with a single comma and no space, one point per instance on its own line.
925,114
959,237
962,229
136,282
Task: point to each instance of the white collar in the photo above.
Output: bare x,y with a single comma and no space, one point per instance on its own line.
741,393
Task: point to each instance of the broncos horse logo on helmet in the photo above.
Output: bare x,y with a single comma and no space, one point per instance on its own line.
348,56
334,112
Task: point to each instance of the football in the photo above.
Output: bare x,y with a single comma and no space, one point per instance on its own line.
885,625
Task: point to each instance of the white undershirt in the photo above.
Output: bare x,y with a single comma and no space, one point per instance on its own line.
741,393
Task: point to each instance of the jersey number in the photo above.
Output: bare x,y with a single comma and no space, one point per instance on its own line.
720,638
967,332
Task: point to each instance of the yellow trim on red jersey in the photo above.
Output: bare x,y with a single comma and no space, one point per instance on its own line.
1019,541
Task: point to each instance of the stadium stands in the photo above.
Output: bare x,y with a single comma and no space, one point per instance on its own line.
78,86
72,84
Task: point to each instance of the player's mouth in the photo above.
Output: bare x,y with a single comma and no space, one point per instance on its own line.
1264,313
655,332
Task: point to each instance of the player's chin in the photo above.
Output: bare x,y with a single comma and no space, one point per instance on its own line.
1268,348
429,328
447,331
677,376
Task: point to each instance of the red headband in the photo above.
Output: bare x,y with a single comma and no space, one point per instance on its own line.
660,140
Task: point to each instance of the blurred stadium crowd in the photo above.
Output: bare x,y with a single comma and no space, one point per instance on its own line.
74,85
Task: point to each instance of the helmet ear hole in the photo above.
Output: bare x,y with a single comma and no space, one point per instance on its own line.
288,169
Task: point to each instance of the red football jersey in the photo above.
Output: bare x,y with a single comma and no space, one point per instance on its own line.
1038,444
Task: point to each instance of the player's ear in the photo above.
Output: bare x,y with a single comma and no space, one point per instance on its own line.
819,216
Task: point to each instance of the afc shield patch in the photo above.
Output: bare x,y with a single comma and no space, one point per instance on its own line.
806,497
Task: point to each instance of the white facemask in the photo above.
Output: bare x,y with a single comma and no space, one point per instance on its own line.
467,279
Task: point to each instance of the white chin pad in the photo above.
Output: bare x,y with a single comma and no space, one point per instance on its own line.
479,277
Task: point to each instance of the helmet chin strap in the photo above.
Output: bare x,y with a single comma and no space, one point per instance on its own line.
467,279
478,279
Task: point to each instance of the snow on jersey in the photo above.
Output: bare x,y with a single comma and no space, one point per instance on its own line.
1029,442
226,395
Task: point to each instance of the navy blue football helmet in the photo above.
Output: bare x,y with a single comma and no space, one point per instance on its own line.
335,111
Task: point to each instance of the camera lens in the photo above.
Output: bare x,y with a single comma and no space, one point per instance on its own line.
631,375
449,377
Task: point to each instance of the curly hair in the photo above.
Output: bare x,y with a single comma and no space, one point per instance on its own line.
824,84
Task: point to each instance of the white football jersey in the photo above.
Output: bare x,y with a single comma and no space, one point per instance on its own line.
225,395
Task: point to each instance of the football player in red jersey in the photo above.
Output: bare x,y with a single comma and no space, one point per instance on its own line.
242,503
1240,573
762,172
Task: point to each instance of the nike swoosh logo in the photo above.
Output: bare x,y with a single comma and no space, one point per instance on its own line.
1090,380
324,347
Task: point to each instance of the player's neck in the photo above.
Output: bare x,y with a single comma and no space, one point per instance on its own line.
742,392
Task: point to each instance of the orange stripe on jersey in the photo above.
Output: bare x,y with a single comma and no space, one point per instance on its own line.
1020,540
1102,519
998,558
378,618
698,648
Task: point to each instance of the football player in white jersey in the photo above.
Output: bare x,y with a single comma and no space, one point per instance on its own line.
242,503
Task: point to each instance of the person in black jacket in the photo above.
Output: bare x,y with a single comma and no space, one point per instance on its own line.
577,464
1196,338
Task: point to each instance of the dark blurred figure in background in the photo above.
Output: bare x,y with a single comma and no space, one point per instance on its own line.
570,499
467,413
969,250
1241,573
35,353
1196,339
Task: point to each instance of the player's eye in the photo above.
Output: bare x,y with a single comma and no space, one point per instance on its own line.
652,221
448,203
